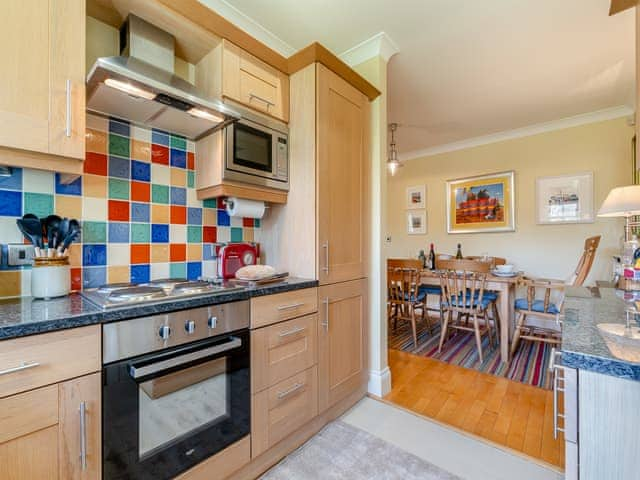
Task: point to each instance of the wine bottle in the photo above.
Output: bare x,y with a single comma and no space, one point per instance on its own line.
459,252
431,260
422,258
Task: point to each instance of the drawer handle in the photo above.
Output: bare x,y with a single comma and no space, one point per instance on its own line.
23,366
293,331
269,104
83,435
290,391
289,307
67,128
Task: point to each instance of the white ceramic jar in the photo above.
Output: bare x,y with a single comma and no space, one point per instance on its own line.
50,277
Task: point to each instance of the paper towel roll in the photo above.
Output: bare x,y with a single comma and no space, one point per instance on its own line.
239,207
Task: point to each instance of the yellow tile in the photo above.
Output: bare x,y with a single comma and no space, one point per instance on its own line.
118,274
194,252
75,255
159,253
94,186
247,234
209,216
96,141
178,177
160,213
69,206
10,283
140,150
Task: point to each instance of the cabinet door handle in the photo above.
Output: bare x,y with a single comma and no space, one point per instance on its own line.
289,307
325,324
290,391
325,246
83,435
22,366
269,104
293,331
67,129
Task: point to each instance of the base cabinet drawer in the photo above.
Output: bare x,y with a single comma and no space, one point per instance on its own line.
282,350
271,309
222,464
282,409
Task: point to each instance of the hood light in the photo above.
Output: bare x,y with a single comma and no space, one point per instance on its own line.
129,89
197,112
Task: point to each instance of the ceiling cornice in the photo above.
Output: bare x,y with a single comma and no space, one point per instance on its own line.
592,117
380,45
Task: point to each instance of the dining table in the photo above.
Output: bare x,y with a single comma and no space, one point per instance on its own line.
505,287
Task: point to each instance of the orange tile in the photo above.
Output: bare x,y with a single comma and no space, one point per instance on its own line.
140,150
194,252
209,216
191,161
76,279
69,206
159,253
160,213
75,255
118,274
178,177
178,252
95,141
94,186
140,191
140,253
10,283
178,214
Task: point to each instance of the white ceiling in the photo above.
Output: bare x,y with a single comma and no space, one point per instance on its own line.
467,68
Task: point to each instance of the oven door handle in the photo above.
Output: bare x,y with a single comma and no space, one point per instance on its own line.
145,370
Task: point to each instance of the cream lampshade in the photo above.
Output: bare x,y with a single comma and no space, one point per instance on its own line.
622,202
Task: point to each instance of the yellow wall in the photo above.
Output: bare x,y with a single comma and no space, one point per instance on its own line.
540,250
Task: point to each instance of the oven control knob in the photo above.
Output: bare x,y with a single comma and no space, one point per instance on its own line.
213,322
189,326
164,332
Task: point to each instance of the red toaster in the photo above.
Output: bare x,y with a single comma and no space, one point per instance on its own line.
234,256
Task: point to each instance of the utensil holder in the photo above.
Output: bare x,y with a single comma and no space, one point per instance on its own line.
50,277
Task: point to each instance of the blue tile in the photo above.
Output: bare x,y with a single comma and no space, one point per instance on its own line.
10,203
93,255
159,137
208,251
178,196
236,234
140,171
121,127
194,270
178,158
140,212
93,277
194,216
119,167
159,233
14,182
223,218
140,273
256,222
73,188
118,232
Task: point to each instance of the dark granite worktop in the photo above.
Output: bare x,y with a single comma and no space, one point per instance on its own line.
20,317
586,346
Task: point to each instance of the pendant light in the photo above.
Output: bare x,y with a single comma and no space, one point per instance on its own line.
392,162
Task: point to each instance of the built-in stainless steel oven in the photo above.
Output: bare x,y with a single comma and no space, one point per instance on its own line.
256,151
176,390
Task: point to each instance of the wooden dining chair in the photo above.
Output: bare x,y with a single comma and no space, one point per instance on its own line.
424,290
463,290
585,263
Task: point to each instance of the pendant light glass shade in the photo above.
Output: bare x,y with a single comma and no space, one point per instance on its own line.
392,162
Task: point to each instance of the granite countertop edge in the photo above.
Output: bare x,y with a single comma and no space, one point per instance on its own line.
74,312
597,364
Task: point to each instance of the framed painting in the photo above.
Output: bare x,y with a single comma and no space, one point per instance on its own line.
565,199
416,197
417,222
481,204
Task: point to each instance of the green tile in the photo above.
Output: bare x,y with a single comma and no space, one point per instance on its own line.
118,145
210,203
191,179
140,233
40,204
236,234
194,234
118,189
178,142
94,232
178,270
159,193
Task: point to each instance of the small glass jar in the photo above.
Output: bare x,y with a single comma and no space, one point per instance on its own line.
50,277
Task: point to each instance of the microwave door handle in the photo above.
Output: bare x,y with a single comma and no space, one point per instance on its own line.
145,370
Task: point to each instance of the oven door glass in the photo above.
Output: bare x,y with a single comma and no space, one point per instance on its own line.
252,148
166,412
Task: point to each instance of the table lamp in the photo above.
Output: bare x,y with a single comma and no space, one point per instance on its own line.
623,202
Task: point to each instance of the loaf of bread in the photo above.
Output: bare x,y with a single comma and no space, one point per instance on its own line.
255,272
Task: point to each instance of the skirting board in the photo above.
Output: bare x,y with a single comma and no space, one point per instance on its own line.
379,382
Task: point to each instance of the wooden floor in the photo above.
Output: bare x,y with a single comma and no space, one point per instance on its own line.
509,413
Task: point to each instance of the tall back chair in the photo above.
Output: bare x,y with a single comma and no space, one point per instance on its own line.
405,297
586,261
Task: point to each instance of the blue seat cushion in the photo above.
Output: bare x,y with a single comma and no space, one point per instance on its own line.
491,295
415,298
466,302
537,306
430,289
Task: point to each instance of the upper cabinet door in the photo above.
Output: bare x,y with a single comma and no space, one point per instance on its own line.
42,93
342,126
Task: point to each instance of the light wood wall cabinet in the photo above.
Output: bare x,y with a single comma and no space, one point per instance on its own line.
234,74
42,86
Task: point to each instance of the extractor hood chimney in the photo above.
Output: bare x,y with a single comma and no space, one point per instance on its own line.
140,86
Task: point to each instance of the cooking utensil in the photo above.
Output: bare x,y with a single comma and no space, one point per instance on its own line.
31,229
52,223
63,232
72,235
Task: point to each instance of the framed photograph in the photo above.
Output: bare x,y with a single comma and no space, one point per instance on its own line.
417,223
481,204
416,197
565,199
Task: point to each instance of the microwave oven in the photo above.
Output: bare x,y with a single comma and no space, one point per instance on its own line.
256,151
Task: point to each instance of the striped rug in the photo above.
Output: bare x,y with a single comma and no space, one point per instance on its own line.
529,365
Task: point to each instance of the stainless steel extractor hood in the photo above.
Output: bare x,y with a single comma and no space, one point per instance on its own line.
140,86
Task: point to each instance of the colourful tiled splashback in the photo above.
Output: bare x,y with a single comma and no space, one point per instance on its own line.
137,203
